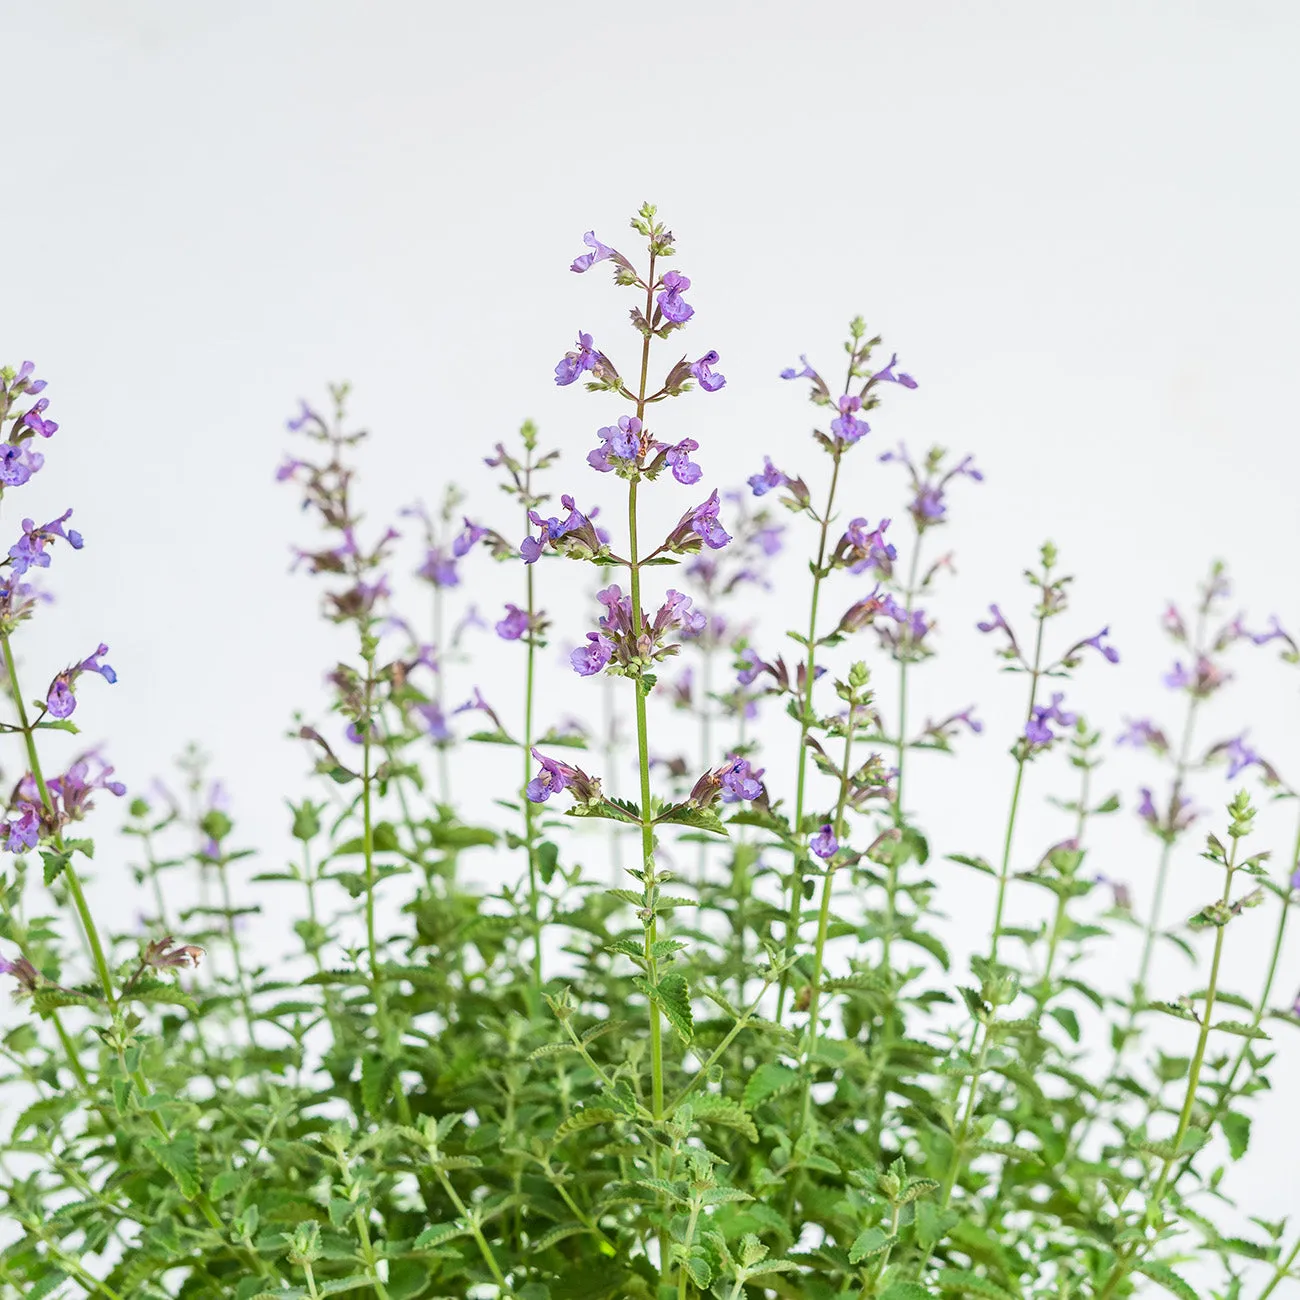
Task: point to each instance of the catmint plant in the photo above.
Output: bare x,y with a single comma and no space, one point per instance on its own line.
423,1051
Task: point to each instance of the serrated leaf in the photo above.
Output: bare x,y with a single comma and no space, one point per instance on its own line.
559,1233
725,1112
1240,1028
590,1117
906,1291
338,1285
180,1158
698,1267
1236,1128
769,1080
1167,1278
964,1282
674,995
873,1241
438,1233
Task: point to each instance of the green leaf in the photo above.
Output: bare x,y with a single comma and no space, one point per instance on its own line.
725,1112
1236,1128
1067,1020
376,1073
559,1233
704,819
933,1223
1168,1279
47,1283
674,995
438,1233
584,1119
1240,1028
977,864
873,1241
769,1080
55,862
701,1274
354,1282
180,1158
906,1291
964,1282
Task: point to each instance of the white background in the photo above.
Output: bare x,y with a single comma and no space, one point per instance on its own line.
1075,223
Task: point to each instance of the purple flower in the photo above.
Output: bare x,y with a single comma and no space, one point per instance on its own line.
685,470
439,568
77,784
590,659
824,844
1240,756
18,463
556,776
1121,897
23,379
1295,878
747,675
434,720
674,307
675,612
305,417
704,375
740,781
1144,733
806,373
996,622
29,550
33,420
585,261
887,375
1275,632
60,700
24,832
1202,681
846,426
770,478
769,539
1037,730
572,364
863,547
1108,651
466,538
704,523
514,624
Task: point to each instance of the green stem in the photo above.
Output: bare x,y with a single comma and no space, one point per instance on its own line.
683,1276
805,724
823,924
530,832
1125,1262
69,872
241,979
1281,1271
1003,873
484,1249
368,1254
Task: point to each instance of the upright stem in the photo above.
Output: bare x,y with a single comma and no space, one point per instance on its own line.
805,722
69,871
1003,873
440,696
240,978
823,919
530,832
1125,1262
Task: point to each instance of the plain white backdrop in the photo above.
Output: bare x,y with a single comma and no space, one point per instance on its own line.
1076,224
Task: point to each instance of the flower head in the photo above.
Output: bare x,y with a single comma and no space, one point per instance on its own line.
556,776
824,844
807,372
1038,731
18,462
701,369
674,307
684,469
29,550
846,426
590,659
768,478
514,624
599,252
60,700
34,419
584,357
887,375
